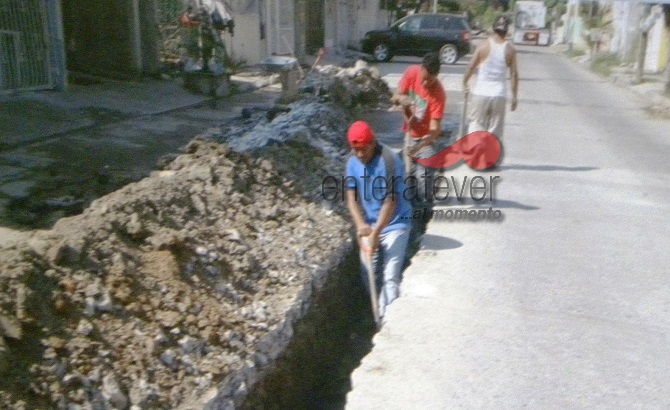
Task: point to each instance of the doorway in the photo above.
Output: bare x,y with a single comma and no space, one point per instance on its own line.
315,31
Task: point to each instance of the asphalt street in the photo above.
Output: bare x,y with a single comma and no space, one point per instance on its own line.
561,302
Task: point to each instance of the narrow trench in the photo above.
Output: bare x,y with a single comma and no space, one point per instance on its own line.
328,344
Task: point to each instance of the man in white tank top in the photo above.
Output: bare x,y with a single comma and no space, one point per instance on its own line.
493,58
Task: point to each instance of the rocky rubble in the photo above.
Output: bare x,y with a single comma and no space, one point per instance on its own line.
180,289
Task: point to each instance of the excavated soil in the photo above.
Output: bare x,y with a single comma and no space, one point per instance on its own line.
182,290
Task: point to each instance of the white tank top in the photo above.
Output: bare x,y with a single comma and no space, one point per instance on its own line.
492,75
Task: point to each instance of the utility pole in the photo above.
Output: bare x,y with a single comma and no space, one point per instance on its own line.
646,24
434,6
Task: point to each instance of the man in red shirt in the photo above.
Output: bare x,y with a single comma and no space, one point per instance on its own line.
423,100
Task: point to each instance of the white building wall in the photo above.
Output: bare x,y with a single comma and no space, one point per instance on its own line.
246,44
330,23
345,24
626,16
280,27
347,21
652,62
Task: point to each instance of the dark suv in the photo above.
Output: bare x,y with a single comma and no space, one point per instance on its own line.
418,34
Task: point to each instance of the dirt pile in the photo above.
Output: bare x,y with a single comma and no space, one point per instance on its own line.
180,289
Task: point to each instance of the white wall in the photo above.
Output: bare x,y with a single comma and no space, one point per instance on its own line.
369,18
330,23
625,17
280,27
652,62
246,43
347,21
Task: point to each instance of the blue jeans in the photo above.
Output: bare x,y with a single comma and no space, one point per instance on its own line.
387,262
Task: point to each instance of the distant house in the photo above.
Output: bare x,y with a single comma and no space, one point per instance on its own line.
298,27
40,40
656,56
626,18
111,37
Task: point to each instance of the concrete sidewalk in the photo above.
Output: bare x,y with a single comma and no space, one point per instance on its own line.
33,116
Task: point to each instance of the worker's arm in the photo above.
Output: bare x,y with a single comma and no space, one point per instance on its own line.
385,216
474,63
403,99
362,228
400,98
434,132
514,76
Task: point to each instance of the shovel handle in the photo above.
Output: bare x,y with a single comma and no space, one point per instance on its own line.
464,115
374,300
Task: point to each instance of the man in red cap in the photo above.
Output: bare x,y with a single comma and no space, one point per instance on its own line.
375,198
423,100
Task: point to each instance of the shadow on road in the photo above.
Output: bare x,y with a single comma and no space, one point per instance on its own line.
485,204
524,167
522,51
437,242
569,80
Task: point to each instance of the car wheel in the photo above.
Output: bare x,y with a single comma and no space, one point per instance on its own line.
448,54
382,52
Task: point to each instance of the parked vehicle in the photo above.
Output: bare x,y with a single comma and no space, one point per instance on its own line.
530,23
418,34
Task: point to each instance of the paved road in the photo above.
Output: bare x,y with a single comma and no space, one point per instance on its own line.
561,303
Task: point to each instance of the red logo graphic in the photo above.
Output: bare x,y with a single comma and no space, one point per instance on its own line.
479,149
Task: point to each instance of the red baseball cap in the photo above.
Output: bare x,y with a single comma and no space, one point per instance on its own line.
360,134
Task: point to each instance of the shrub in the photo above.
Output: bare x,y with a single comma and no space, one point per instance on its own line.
603,63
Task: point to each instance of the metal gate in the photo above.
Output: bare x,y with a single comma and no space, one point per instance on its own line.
24,46
281,38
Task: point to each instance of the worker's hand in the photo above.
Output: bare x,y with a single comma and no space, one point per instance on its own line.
515,102
363,230
425,142
372,243
430,139
402,100
413,150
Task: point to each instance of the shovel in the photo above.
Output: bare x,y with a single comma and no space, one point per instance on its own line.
464,115
374,300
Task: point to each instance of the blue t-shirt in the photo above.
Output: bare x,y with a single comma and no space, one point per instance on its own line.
372,188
